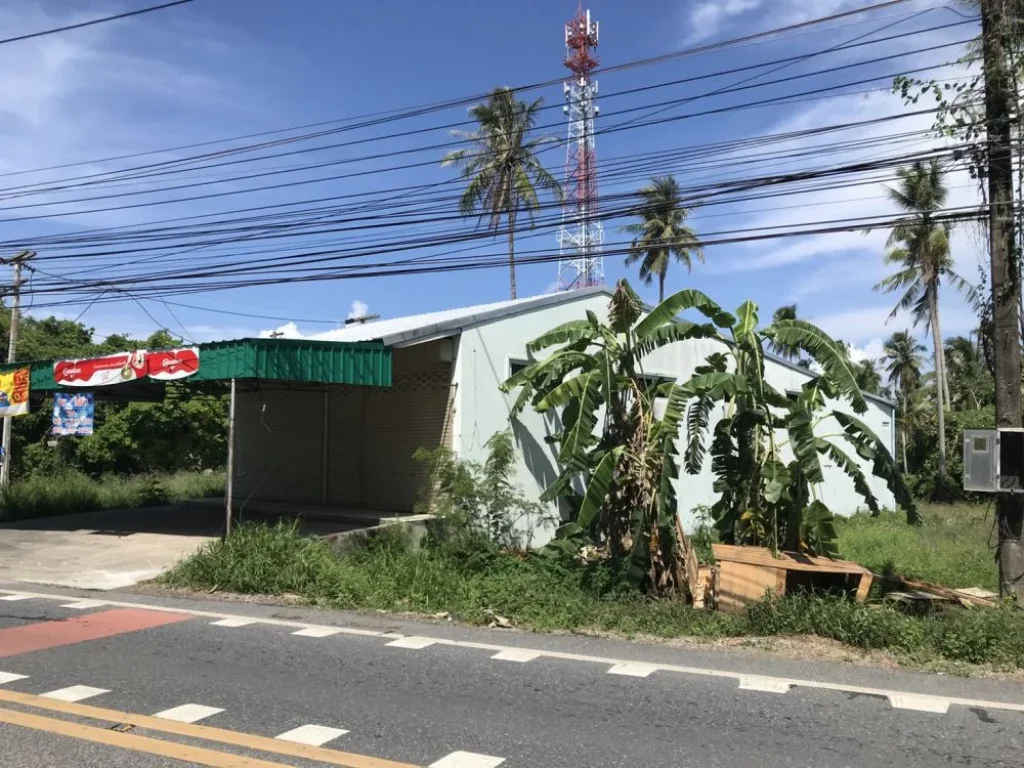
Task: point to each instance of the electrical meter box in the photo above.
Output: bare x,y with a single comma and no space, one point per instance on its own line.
994,460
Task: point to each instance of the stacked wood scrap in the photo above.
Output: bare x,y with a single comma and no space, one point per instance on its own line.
923,593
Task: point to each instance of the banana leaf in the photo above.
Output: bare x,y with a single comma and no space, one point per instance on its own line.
883,465
598,486
667,310
818,530
823,350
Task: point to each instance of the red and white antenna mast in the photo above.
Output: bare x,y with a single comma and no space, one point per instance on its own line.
581,236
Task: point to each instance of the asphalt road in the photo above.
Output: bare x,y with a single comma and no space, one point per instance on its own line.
422,694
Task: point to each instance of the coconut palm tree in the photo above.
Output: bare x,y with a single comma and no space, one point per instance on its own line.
868,378
903,365
971,383
919,246
661,235
789,352
501,165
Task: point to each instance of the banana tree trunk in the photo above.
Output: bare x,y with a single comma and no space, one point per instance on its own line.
933,311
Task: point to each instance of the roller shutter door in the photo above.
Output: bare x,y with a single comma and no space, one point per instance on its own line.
345,422
279,438
413,413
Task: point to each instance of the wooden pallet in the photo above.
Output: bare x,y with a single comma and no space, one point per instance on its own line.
746,574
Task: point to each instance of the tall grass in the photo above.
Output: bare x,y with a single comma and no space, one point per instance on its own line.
544,594
73,492
952,546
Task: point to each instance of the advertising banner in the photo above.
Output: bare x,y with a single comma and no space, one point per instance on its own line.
14,392
173,364
161,365
73,413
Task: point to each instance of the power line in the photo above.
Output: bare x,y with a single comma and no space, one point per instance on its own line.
464,101
93,22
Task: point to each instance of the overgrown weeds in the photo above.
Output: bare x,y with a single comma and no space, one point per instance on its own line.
543,593
73,492
953,546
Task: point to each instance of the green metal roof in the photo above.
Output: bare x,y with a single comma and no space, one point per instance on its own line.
296,360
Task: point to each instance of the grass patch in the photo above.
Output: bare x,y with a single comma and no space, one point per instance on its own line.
474,583
72,492
951,547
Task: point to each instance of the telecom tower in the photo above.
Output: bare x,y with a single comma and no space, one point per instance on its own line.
581,236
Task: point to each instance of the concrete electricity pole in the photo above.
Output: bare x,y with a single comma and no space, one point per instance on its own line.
18,261
1005,269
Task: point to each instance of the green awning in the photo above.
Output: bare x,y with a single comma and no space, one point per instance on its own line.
286,360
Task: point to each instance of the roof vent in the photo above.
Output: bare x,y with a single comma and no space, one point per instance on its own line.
361,320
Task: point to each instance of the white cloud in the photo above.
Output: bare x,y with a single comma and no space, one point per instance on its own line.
358,309
874,349
861,326
104,91
708,18
286,331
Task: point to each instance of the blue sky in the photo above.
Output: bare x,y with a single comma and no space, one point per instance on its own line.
214,69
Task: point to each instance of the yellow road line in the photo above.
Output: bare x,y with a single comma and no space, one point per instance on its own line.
205,732
183,752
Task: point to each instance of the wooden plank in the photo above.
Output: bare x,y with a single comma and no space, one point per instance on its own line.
949,594
978,592
743,583
790,561
863,587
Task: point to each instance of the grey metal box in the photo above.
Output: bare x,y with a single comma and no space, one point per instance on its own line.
994,460
981,460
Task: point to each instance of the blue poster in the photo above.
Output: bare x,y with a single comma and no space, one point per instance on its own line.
73,413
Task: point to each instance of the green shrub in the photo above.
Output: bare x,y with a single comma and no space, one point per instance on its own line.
72,492
479,503
923,452
547,594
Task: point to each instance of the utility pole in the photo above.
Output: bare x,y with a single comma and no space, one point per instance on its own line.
1005,269
18,261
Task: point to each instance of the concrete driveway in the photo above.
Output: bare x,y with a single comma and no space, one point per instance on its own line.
102,550
114,549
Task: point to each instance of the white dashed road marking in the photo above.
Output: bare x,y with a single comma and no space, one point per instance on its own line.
633,669
413,642
75,693
234,621
82,605
919,703
317,632
188,713
521,655
898,699
467,760
765,684
313,735
10,677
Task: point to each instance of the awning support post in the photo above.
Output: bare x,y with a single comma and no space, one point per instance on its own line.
325,448
229,496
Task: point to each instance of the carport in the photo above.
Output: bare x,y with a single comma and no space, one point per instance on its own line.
301,413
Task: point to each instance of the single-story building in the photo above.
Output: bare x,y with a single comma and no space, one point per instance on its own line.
348,447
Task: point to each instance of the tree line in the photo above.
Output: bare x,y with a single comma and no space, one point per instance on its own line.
186,431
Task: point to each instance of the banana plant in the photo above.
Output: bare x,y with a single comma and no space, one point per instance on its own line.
619,460
766,449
